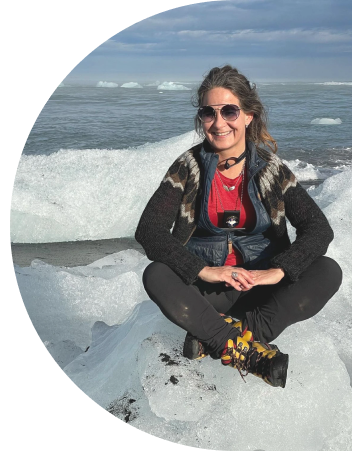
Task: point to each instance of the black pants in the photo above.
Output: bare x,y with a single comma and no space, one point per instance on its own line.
268,309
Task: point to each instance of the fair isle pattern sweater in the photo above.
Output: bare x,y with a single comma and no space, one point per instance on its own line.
176,203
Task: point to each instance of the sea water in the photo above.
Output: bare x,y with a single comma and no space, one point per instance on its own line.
76,182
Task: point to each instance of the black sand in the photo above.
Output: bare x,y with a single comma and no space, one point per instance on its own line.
70,253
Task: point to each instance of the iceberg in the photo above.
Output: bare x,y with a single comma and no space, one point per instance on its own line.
118,348
171,86
326,121
156,83
335,83
131,85
106,84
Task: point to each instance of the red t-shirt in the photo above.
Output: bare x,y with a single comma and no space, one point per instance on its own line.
231,200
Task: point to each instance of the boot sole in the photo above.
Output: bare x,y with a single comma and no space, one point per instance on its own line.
279,370
191,349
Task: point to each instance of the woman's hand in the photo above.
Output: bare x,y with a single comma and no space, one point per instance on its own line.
215,274
268,276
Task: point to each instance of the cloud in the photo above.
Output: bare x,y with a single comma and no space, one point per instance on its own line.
255,14
193,33
296,41
112,46
160,22
216,28
218,32
251,35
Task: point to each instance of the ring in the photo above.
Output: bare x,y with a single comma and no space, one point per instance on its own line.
234,275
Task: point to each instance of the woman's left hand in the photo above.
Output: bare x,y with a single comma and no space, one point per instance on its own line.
267,276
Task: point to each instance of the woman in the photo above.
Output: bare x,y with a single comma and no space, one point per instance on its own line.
227,200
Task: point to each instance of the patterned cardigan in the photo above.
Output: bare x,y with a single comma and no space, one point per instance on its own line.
176,204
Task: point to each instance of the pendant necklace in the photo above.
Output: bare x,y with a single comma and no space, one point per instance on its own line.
232,217
228,188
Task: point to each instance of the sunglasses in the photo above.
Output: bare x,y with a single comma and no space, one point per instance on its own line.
228,113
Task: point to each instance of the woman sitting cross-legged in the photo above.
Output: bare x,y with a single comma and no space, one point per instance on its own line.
216,232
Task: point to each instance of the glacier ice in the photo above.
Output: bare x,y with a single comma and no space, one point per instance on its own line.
115,344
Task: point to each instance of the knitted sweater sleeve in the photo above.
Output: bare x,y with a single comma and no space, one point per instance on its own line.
153,231
313,232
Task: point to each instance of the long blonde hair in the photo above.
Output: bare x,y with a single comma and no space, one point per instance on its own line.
228,77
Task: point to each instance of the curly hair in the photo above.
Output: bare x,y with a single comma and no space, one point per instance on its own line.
228,77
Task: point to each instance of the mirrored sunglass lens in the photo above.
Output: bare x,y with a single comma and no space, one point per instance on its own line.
206,114
230,112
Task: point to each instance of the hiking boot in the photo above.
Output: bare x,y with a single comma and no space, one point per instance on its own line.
193,349
242,329
261,360
245,333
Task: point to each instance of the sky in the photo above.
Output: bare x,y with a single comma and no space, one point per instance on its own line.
268,40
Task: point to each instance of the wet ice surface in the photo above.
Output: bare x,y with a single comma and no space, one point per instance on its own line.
134,367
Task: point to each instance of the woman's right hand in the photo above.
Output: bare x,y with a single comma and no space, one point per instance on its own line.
216,274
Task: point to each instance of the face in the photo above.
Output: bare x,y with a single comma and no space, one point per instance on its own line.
226,137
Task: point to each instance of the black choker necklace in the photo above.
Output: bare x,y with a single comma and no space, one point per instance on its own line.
237,160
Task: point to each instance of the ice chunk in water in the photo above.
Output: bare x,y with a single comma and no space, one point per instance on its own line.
106,84
131,85
326,121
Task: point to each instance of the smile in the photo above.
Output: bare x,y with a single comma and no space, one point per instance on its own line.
222,134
